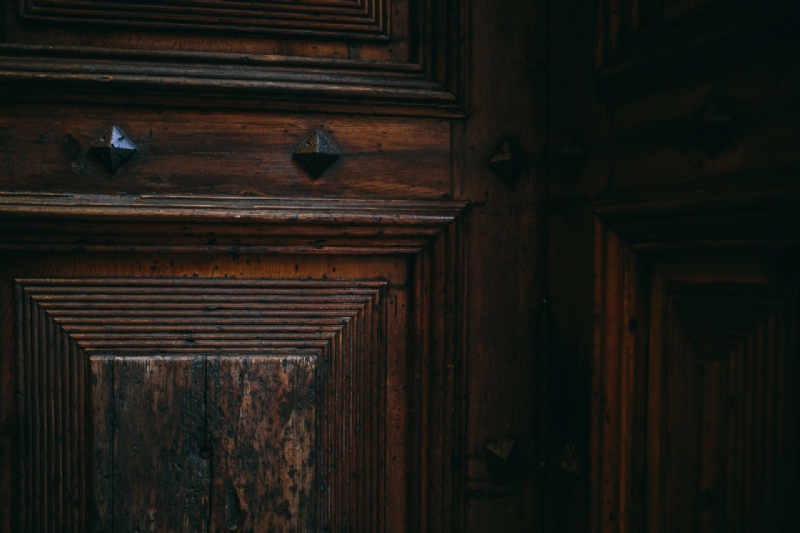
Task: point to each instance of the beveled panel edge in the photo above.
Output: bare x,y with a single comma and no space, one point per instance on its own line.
433,84
361,21
34,303
736,211
231,224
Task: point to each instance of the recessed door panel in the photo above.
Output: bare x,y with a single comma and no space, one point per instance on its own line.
263,428
159,475
194,404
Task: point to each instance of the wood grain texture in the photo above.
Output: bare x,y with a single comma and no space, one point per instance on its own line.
719,436
373,469
668,348
363,19
263,423
222,224
46,149
504,258
617,393
53,466
420,70
341,324
160,480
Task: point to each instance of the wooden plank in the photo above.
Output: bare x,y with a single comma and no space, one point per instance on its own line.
161,480
176,149
102,457
262,420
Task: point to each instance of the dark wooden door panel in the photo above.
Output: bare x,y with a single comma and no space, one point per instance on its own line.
46,141
263,427
697,370
721,365
362,56
198,389
217,95
159,477
197,437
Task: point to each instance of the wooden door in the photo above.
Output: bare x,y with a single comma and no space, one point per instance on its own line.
674,209
269,266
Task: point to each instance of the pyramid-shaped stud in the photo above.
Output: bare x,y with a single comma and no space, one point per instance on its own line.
568,461
317,154
112,148
500,449
504,163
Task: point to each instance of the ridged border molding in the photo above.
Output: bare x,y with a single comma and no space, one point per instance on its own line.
429,234
432,82
737,213
313,341
361,19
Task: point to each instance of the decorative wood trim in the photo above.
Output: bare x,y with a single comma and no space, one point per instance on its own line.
336,325
360,20
220,224
737,214
736,211
429,234
725,348
633,56
432,83
619,341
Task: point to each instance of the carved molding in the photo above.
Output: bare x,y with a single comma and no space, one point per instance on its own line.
221,224
720,361
428,234
737,214
431,81
106,325
360,19
734,211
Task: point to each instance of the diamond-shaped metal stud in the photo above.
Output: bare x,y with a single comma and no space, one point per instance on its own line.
112,148
507,162
317,154
568,461
500,449
499,457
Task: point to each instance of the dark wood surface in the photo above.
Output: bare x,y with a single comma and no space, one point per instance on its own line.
369,56
216,114
351,351
686,198
177,358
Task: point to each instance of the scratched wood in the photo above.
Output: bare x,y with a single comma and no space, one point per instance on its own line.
186,306
161,479
46,149
262,419
371,56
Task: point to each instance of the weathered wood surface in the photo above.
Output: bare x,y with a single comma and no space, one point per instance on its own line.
376,56
180,152
263,427
188,311
684,112
160,479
